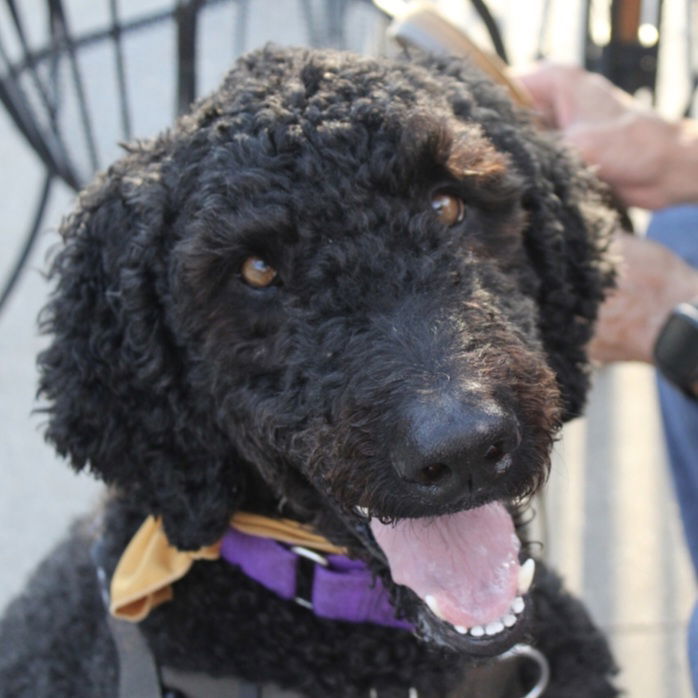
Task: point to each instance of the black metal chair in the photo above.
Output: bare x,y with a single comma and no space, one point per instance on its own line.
45,92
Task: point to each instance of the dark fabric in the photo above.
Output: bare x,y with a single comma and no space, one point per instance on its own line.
198,685
138,675
677,229
498,680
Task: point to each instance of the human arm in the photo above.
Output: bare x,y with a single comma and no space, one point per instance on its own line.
648,161
652,280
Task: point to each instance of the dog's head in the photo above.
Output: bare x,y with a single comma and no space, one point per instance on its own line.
341,288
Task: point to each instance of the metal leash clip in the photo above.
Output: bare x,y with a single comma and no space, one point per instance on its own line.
538,657
311,555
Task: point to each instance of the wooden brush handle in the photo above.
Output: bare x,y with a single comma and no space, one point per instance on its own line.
422,25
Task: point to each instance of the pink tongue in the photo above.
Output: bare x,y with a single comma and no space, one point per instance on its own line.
466,562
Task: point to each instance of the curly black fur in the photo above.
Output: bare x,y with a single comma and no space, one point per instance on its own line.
194,394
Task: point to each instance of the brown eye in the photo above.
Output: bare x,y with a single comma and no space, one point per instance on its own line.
449,209
256,272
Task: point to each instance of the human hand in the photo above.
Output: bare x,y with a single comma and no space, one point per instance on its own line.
652,281
648,161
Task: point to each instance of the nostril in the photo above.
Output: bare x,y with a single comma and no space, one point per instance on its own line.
495,452
433,474
497,457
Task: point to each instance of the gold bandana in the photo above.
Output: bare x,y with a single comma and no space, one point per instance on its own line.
149,565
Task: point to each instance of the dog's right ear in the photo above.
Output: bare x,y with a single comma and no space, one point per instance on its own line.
115,377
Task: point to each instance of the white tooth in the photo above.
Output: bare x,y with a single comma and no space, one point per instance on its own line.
433,605
494,628
509,620
526,573
362,511
518,605
460,629
477,631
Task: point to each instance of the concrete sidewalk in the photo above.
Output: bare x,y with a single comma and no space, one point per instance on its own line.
615,534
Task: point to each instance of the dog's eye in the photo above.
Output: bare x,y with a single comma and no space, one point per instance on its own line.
256,272
449,209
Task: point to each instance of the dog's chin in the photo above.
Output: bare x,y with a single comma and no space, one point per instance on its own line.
466,580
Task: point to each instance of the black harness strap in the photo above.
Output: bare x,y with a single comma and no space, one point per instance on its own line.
199,685
138,670
138,673
139,676
498,680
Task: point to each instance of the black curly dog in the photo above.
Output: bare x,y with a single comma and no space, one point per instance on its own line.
350,292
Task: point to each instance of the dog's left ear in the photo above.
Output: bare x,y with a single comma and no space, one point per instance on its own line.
116,376
567,239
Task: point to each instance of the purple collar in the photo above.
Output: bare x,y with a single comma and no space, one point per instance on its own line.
342,588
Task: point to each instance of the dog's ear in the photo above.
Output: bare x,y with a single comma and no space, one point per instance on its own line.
116,377
567,239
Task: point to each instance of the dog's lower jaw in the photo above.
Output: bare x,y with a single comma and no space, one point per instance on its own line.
438,632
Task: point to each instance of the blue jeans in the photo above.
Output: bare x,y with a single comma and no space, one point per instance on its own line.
677,229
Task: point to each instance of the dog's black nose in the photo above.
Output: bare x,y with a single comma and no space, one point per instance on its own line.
451,449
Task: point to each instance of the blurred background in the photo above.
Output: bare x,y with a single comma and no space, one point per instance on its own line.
79,76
